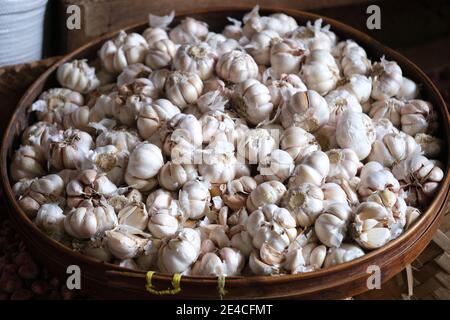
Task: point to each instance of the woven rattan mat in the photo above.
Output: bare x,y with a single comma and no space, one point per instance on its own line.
21,277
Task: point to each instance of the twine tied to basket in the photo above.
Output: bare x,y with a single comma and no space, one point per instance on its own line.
176,288
221,286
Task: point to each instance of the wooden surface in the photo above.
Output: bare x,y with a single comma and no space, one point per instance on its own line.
336,282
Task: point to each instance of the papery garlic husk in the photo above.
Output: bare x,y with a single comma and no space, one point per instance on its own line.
124,197
354,130
298,143
260,45
278,85
345,253
256,144
126,242
152,116
278,165
179,252
161,54
27,162
50,219
236,66
173,176
431,146
386,79
122,51
216,123
340,101
40,135
408,90
314,36
313,168
156,32
358,85
392,148
253,101
286,56
412,214
158,200
143,165
226,262
375,177
320,72
78,76
70,150
344,164
183,88
389,109
415,117
212,101
194,199
237,191
163,224
419,177
98,249
384,126
91,221
134,215
221,44
331,225
90,185
272,225
270,192
218,162
304,202
133,72
305,109
196,58
188,31
279,22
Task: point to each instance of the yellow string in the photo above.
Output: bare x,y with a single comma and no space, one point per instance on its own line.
176,288
221,286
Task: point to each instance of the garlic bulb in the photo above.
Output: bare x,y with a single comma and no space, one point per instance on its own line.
412,214
260,45
159,79
125,242
320,71
233,30
155,34
198,58
40,135
375,177
313,168
221,44
188,31
387,79
340,101
219,162
298,143
392,148
133,72
78,76
331,225
161,54
183,88
237,191
162,225
253,101
259,267
50,219
383,127
279,22
286,56
354,130
134,215
415,117
278,165
194,199
216,124
354,59
173,176
389,109
88,222
78,119
159,200
226,262
120,137
314,36
431,146
69,151
304,202
278,85
152,116
179,252
27,162
123,198
270,192
143,165
211,101
124,50
305,109
419,177
236,66
358,85
341,190
110,160
255,145
344,164
345,253
408,90
97,249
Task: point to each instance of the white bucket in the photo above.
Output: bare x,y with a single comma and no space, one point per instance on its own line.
21,30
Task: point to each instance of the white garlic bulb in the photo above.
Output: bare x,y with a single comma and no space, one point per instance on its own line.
345,253
27,162
408,90
415,117
188,31
183,88
212,101
340,101
216,125
255,145
226,262
389,109
253,101
375,177
331,225
173,176
387,79
320,71
221,44
194,199
78,76
278,85
197,58
125,242
233,30
279,22
154,34
305,203
270,192
132,72
278,165
40,135
162,225
50,219
236,66
260,45
344,164
314,36
236,193
110,160
313,168
286,56
122,138
152,116
159,79
298,143
219,162
134,215
383,127
358,85
161,54
159,200
70,150
354,59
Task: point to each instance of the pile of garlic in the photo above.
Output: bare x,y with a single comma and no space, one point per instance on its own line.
269,148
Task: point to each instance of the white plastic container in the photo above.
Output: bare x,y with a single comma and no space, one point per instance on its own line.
21,30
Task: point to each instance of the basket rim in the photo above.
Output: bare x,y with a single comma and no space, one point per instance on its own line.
431,213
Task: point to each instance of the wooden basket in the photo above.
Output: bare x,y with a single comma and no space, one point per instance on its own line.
107,280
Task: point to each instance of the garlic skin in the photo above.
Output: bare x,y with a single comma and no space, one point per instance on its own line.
386,79
415,117
331,225
314,36
173,176
124,242
50,219
236,66
305,109
253,101
375,177
431,146
134,215
143,165
88,222
304,202
133,72
152,116
109,160
161,54
27,162
358,85
69,151
216,125
344,164
298,143
340,101
419,177
345,253
196,58
194,199
255,145
124,50
270,192
183,88
408,90
159,200
260,45
211,101
313,168
278,165
278,85
120,137
219,162
78,76
188,31
320,72
226,262
237,191
389,109
179,252
286,56
354,130
392,148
